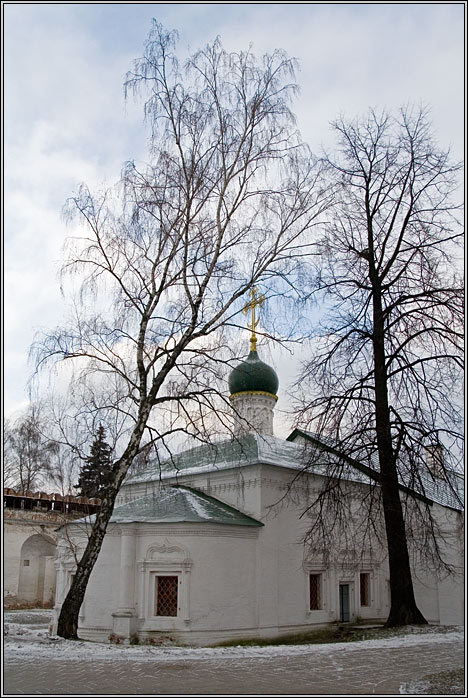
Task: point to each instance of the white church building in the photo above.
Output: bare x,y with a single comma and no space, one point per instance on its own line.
210,546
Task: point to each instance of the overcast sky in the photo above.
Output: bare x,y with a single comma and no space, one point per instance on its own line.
65,119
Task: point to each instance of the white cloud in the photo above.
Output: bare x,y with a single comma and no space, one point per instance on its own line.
66,121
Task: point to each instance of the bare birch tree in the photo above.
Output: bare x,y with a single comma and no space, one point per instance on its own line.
168,256
384,384
29,453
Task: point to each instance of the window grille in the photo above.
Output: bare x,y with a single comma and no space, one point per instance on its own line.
166,596
365,588
26,563
314,592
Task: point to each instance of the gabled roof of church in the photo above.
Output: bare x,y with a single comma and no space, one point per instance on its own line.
238,452
180,504
270,450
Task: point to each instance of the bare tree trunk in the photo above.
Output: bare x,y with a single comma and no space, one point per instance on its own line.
67,626
403,608
387,366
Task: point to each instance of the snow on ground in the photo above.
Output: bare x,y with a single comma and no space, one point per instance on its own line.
31,638
445,683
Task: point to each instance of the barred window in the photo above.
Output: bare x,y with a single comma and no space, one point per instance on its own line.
314,592
166,596
364,584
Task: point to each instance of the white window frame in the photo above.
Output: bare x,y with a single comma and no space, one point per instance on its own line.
148,571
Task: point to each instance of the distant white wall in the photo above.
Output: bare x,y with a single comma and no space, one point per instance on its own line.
29,551
35,584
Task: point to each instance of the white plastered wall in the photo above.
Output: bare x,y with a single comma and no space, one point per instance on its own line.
243,582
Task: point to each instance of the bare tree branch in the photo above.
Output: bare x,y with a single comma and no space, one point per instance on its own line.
386,373
227,201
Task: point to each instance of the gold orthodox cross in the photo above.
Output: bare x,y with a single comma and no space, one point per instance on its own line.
255,301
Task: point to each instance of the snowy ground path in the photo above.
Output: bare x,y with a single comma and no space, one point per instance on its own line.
37,664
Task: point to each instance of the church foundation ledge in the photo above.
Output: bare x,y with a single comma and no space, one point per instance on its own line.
187,637
95,634
210,637
152,626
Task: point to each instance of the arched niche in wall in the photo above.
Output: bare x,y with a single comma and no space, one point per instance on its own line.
37,571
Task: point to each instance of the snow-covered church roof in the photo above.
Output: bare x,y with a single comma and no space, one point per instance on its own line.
239,452
264,449
180,504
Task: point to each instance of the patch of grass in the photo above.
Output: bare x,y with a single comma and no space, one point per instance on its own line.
447,683
338,633
334,633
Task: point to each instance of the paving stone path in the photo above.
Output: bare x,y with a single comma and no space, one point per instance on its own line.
343,669
347,671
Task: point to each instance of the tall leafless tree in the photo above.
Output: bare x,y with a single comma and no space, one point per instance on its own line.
386,372
29,453
168,256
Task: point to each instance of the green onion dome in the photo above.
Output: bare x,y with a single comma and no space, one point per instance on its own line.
253,375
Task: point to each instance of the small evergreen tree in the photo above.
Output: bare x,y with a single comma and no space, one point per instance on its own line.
96,472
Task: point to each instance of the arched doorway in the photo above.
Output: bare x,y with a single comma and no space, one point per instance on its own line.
37,571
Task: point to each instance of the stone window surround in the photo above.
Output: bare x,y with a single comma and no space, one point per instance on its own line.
318,593
148,570
349,573
321,614
365,595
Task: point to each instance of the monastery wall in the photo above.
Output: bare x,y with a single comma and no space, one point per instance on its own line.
28,552
30,536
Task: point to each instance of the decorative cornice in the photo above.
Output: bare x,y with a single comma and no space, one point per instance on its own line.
245,484
192,530
254,392
164,549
